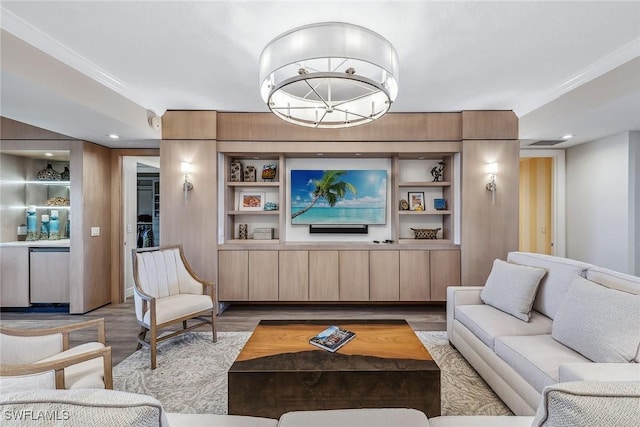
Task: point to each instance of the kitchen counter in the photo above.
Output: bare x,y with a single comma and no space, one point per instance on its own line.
63,243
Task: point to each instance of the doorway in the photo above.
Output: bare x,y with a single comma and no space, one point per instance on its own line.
141,189
542,202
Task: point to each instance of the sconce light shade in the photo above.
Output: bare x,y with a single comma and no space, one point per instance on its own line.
185,167
492,168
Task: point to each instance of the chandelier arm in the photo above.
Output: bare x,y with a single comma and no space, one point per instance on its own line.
356,98
316,92
312,88
339,65
354,114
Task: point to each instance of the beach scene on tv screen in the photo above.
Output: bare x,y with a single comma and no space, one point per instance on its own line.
338,197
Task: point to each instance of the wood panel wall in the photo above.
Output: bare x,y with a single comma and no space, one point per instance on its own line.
535,205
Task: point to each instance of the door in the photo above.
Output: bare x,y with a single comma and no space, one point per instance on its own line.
536,226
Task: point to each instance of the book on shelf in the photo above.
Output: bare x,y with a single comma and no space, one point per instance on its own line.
332,338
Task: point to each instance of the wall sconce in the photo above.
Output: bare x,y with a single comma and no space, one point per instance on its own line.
492,170
185,167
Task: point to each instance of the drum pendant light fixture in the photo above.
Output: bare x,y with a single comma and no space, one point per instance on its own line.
329,75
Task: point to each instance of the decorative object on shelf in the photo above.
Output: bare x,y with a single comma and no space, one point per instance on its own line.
48,174
54,226
352,72
250,174
492,170
426,233
22,233
416,200
32,223
250,201
242,232
270,206
437,171
439,204
269,172
44,227
65,175
58,201
263,234
404,205
67,229
236,171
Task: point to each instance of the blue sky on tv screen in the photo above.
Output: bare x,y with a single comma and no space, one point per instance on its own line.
367,206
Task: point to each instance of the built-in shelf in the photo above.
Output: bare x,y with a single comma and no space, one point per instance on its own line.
425,184
254,184
253,212
59,183
442,212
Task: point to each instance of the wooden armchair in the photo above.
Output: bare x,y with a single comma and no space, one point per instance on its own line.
167,291
41,358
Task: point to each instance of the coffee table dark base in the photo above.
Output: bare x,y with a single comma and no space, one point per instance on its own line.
385,366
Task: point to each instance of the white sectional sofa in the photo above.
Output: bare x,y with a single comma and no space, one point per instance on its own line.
540,320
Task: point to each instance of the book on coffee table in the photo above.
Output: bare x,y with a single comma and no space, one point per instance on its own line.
332,338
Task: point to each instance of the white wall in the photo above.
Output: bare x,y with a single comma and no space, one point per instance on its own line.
634,202
599,212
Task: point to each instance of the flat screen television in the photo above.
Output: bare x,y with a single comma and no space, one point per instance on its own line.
338,197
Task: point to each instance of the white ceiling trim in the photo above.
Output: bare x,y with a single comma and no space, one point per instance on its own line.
613,60
42,41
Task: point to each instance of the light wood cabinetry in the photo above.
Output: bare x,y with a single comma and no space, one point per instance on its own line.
233,275
354,275
415,278
445,271
14,276
384,275
263,275
49,275
324,276
294,276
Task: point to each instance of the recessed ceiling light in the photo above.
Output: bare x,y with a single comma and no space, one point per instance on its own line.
319,154
358,154
421,158
48,154
113,136
567,136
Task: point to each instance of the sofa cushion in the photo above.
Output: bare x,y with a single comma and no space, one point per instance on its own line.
213,420
602,324
512,288
378,417
480,421
536,358
82,408
487,323
590,403
553,287
614,280
89,374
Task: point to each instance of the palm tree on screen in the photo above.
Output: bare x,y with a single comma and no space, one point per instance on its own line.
330,188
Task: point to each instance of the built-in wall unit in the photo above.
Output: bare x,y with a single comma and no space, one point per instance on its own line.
415,215
54,203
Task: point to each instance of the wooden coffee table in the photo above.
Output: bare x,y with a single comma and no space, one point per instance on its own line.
384,366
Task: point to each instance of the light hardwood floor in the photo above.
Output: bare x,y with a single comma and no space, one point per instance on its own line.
122,327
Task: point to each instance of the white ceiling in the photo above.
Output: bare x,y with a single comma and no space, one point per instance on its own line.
90,68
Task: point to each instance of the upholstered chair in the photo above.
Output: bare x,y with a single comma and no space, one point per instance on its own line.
166,292
32,359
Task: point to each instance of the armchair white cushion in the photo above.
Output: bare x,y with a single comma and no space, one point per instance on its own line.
41,358
168,291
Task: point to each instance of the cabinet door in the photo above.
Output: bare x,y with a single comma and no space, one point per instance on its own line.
49,276
445,271
354,275
233,275
384,275
294,276
14,276
263,275
415,278
324,282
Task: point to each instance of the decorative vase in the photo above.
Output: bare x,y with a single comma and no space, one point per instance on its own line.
439,204
242,231
44,227
65,175
54,226
48,174
32,223
67,229
236,171
250,174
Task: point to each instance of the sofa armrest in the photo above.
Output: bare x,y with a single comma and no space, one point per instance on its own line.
460,295
599,372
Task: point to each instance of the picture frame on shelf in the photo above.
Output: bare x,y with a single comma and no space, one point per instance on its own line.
416,200
251,201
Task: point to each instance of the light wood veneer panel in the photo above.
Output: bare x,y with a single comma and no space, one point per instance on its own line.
445,271
294,276
263,275
415,277
14,276
354,275
324,278
233,275
384,275
189,125
489,125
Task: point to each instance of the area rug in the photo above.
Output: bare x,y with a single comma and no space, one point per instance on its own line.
191,376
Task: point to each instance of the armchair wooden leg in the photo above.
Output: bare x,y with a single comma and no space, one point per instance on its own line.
184,324
153,341
213,326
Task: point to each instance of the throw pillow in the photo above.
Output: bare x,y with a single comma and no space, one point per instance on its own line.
512,288
600,323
